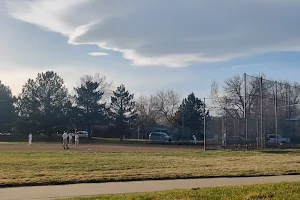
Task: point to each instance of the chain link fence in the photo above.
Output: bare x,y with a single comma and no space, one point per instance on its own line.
256,113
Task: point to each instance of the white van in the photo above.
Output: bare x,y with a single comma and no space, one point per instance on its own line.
83,134
159,136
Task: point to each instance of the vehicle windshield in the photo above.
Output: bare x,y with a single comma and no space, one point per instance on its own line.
82,132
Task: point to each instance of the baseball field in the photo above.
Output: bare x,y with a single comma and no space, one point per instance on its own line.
47,164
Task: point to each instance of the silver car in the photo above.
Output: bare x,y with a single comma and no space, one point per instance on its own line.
83,134
159,136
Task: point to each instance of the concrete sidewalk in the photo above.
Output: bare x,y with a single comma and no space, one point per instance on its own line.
91,189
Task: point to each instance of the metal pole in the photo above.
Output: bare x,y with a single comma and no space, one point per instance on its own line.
225,125
262,112
204,126
138,132
289,109
182,115
276,113
245,109
257,134
122,133
234,127
265,133
223,132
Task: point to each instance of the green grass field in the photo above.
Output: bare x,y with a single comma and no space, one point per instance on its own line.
256,192
19,168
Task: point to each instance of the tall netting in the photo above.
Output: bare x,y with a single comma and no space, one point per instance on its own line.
226,126
214,128
253,111
275,107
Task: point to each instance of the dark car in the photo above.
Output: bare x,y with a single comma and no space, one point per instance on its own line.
236,142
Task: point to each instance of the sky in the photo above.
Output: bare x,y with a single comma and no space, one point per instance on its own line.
149,45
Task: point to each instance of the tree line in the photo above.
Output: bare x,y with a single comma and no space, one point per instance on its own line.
46,105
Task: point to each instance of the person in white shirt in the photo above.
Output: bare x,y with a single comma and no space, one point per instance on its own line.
65,140
70,138
76,139
195,139
30,139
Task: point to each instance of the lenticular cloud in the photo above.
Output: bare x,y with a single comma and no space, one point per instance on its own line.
170,33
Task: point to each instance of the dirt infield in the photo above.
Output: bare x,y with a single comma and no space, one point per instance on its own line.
97,147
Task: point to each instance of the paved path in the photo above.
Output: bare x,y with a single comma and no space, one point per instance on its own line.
53,192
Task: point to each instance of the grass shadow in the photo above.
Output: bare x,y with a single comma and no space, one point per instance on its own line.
280,152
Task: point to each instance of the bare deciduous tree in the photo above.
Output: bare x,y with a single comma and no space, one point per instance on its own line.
168,103
231,99
147,110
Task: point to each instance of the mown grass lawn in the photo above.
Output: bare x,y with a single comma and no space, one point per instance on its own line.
255,192
19,168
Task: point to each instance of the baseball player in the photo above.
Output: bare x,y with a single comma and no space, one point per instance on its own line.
195,139
30,139
65,140
76,139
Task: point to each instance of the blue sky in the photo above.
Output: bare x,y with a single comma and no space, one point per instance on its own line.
150,45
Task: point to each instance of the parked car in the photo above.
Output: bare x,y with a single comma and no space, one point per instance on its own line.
159,136
237,141
5,134
271,140
83,134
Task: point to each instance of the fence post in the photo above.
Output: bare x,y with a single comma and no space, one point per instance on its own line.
245,109
225,125
234,127
223,141
289,109
262,112
204,126
276,113
182,124
224,132
257,134
265,122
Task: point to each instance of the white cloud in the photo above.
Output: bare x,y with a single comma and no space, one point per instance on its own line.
98,54
15,76
172,33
